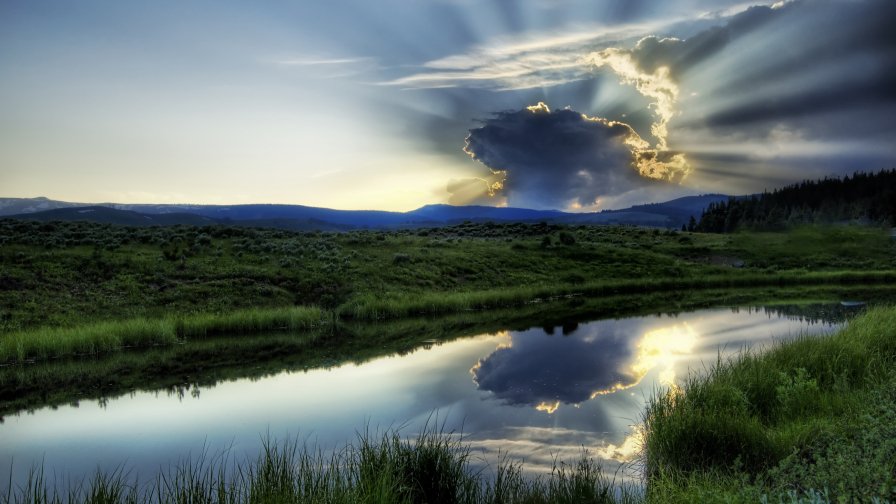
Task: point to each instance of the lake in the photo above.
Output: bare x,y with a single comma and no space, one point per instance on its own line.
537,395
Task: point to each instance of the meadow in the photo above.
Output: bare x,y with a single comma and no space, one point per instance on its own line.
83,288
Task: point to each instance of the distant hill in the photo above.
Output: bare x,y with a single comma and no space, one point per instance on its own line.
107,215
671,214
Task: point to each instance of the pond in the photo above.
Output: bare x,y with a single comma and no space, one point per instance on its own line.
537,395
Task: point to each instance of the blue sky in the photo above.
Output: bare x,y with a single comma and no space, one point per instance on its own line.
398,103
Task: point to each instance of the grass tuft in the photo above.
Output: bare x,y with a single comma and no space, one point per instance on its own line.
434,468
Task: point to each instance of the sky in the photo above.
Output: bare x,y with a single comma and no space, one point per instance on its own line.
577,105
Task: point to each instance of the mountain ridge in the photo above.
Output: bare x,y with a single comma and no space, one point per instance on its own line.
670,214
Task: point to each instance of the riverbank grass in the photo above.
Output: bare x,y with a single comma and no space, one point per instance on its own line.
434,467
108,336
810,417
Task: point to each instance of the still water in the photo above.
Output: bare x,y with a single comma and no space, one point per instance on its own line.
537,395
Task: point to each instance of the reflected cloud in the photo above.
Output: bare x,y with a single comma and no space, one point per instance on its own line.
626,451
544,371
662,348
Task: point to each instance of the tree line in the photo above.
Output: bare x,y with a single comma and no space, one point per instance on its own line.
862,197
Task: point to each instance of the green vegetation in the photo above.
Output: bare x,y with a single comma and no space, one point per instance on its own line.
104,337
869,197
436,467
811,418
76,288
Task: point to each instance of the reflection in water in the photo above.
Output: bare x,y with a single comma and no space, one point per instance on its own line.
539,395
537,369
627,450
662,348
540,369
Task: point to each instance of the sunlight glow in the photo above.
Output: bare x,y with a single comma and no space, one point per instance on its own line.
627,450
662,348
651,162
658,349
547,407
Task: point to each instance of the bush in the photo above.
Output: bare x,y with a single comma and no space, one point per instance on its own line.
567,238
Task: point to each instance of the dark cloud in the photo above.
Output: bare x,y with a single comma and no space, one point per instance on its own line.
562,158
815,55
811,57
848,93
538,368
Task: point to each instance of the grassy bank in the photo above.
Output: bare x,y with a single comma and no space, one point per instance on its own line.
811,418
41,343
103,337
197,363
372,307
433,468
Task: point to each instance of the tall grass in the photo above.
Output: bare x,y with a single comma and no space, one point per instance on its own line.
435,467
752,416
102,337
369,306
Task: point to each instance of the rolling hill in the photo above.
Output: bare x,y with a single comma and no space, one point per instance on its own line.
671,214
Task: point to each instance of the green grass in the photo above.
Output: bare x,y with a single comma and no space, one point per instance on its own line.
103,337
435,467
375,307
71,274
83,289
813,414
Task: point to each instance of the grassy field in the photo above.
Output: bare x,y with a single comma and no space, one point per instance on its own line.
81,288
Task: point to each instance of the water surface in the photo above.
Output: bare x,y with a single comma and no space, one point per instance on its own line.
537,395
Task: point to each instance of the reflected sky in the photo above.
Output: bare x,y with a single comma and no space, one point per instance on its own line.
534,394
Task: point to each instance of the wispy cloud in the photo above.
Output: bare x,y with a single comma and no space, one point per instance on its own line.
329,67
536,60
322,61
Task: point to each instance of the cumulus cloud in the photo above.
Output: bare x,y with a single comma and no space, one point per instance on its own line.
565,159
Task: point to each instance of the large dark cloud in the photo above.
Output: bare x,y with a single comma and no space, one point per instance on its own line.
538,368
562,158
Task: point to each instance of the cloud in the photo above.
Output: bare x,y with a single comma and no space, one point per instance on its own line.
537,369
545,371
565,159
704,95
533,61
